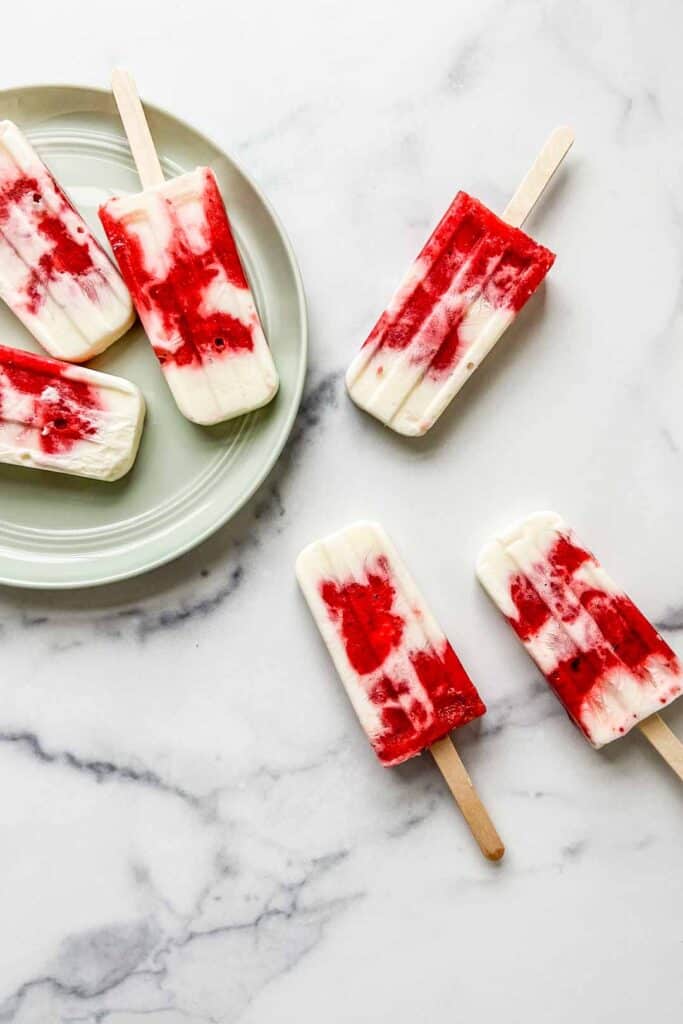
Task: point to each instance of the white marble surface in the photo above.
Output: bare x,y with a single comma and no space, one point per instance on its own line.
194,829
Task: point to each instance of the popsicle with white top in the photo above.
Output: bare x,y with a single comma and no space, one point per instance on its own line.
401,674
67,419
603,659
177,254
471,279
54,275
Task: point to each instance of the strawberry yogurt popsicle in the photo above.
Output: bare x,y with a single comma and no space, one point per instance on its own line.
175,248
67,419
401,674
178,257
473,276
605,662
53,273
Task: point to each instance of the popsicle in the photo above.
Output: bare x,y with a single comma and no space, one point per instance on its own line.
605,662
53,273
465,288
67,419
401,674
177,254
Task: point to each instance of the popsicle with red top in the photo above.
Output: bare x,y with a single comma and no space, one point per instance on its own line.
177,254
401,674
605,662
465,288
67,419
54,275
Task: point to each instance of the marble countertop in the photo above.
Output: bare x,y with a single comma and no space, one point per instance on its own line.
194,828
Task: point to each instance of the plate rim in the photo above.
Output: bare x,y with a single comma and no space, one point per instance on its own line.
146,566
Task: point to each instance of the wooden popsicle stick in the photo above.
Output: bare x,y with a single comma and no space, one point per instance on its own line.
537,177
136,128
665,742
467,798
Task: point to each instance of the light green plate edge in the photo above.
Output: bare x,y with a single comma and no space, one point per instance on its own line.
60,532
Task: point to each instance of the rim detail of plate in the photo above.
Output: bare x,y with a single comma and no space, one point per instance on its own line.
61,532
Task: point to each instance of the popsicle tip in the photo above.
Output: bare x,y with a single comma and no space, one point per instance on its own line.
488,550
332,538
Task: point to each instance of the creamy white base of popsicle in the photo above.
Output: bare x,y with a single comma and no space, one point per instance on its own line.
67,419
176,251
405,398
53,273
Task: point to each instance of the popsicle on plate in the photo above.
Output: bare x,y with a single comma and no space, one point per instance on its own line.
465,288
67,419
176,251
606,663
53,273
401,674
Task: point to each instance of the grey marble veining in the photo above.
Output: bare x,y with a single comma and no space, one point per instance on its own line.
194,828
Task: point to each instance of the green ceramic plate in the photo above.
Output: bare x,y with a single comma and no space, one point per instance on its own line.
59,531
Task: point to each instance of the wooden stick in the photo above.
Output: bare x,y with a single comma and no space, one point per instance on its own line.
136,128
665,742
467,798
537,177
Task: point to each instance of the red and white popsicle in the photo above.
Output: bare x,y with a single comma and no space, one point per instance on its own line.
54,275
401,674
67,419
605,662
177,254
465,288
